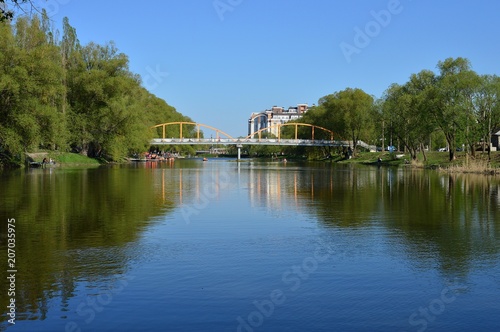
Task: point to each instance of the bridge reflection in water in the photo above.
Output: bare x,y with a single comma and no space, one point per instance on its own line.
278,186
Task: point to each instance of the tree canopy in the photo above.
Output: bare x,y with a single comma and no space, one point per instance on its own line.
349,113
61,95
456,102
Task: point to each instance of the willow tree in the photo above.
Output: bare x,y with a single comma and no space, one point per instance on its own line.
453,100
57,95
30,89
11,140
349,113
406,108
487,109
101,100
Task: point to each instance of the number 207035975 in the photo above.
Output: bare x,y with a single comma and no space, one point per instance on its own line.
11,242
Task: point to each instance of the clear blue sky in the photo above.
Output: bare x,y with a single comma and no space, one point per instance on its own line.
219,65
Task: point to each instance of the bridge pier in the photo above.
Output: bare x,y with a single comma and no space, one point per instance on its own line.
239,146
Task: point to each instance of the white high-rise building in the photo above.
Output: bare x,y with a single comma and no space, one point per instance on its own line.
269,119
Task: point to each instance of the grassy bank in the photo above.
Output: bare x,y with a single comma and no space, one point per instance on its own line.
64,158
75,158
435,160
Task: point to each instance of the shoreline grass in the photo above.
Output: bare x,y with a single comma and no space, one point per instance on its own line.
75,158
64,159
435,160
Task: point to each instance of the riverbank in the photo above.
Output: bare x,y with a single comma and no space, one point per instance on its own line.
435,160
62,159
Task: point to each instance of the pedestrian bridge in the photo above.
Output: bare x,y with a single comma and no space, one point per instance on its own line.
247,141
172,133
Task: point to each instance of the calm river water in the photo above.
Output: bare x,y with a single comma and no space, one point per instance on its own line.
250,246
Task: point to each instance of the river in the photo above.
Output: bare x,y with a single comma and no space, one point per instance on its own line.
249,246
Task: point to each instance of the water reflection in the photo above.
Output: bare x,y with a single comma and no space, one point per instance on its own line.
73,226
83,227
446,221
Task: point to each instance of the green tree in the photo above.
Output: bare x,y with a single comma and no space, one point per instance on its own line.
349,113
452,100
11,139
101,100
69,47
42,90
406,109
56,95
487,110
30,89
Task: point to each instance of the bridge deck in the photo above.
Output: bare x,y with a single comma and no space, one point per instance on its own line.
247,141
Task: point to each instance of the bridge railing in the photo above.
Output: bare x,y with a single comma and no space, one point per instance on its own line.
248,141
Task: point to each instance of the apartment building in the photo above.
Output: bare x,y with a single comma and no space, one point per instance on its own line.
270,118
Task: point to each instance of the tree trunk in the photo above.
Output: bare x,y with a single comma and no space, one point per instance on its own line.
452,154
423,151
95,150
413,153
489,146
84,150
472,150
354,144
489,136
450,139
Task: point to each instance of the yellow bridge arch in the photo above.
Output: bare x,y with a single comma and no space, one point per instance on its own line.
296,125
218,132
